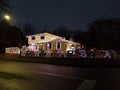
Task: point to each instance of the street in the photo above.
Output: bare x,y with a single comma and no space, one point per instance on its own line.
36,76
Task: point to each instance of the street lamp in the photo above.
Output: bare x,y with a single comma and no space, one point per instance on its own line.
7,17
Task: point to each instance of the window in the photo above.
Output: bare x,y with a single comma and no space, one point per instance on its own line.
49,45
42,37
58,45
33,37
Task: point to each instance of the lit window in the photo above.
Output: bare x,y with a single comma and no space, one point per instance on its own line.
42,37
33,37
49,45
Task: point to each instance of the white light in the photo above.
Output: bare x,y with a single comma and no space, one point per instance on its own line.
7,17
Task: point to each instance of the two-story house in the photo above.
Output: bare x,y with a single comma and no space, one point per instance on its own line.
49,42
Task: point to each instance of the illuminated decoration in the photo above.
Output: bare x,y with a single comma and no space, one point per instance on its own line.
50,43
23,50
72,48
32,47
12,50
64,38
45,44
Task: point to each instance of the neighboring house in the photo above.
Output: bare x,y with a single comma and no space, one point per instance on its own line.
12,50
49,42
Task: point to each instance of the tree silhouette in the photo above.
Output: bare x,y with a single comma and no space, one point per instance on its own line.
4,5
78,36
104,33
10,36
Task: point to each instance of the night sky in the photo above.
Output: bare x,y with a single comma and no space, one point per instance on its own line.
73,14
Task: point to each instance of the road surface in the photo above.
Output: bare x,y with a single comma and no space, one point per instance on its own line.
36,76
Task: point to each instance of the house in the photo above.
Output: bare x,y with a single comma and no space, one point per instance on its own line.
12,50
49,43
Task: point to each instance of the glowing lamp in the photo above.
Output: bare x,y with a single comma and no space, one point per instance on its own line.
7,17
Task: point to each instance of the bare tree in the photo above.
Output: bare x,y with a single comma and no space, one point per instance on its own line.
4,5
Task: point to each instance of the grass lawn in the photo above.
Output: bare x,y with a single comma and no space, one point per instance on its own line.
67,61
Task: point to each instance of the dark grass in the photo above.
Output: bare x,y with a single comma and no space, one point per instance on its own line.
78,62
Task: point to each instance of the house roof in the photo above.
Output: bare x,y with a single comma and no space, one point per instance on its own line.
63,40
44,34
57,38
